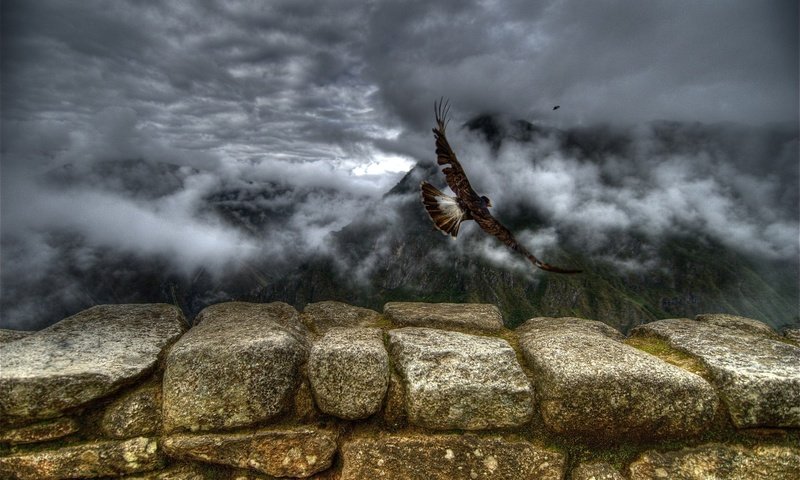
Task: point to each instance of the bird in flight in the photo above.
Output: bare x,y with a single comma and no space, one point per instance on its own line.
448,212
556,107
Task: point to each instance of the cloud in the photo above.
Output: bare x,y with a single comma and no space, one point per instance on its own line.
201,135
651,188
612,61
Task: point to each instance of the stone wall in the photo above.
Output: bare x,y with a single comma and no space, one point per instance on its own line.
421,391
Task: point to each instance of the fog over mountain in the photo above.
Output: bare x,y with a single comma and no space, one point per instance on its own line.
203,151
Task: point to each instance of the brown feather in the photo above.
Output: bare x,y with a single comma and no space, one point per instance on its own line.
447,212
444,210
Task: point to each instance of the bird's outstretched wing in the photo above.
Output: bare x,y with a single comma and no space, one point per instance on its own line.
448,214
454,173
492,226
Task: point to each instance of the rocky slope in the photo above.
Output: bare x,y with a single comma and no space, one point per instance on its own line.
422,391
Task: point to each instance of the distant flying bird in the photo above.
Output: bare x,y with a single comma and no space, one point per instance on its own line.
448,212
556,107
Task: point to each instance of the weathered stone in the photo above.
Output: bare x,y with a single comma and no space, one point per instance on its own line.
40,432
757,377
545,326
89,460
86,356
595,471
731,462
242,474
237,366
135,414
297,452
305,410
184,471
456,380
321,316
394,410
792,334
8,336
592,385
469,316
445,457
743,324
349,372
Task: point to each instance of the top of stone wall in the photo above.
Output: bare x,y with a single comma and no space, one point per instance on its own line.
322,316
83,357
756,374
344,392
447,316
237,366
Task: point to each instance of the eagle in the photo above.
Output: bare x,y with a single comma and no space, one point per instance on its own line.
448,212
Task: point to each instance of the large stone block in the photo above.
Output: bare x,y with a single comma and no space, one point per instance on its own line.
446,457
349,372
135,414
456,380
237,366
731,462
591,384
84,357
735,322
40,432
458,316
322,316
296,452
757,376
111,458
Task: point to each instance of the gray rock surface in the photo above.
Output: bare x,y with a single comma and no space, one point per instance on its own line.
792,334
237,366
592,385
467,316
319,317
595,471
296,452
757,377
349,372
729,462
135,414
8,335
446,457
84,357
40,432
89,460
457,380
743,324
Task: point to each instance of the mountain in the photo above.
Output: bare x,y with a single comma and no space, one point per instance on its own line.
633,272
404,258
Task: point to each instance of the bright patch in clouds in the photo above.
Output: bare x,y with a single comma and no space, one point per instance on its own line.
383,163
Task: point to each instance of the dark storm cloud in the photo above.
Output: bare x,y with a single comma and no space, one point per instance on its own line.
127,127
605,61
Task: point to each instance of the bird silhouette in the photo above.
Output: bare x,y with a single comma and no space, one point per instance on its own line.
447,213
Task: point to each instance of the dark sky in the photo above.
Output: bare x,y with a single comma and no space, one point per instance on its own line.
334,100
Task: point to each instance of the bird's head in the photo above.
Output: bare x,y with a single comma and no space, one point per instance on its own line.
486,201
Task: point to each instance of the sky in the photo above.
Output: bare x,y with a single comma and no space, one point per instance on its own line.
119,121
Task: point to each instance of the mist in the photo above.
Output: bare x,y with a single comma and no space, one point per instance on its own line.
148,144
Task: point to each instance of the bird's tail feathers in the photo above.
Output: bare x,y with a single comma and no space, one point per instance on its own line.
443,209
